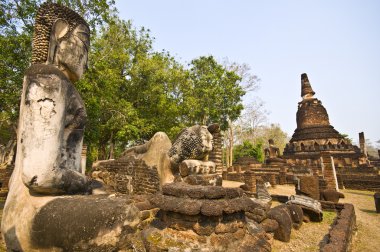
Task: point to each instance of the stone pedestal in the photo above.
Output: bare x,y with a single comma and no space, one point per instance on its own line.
272,180
250,181
205,218
282,178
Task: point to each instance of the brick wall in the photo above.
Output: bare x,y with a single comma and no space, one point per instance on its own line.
340,234
361,181
129,176
234,176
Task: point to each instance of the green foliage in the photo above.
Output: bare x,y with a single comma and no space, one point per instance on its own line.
213,94
346,137
130,91
248,149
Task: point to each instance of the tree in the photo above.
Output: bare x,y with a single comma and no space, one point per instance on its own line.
248,125
273,131
213,93
249,82
248,149
371,149
16,30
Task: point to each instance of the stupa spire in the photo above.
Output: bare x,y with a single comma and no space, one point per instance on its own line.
306,89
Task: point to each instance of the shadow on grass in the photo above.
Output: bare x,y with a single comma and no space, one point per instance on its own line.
360,193
326,238
368,211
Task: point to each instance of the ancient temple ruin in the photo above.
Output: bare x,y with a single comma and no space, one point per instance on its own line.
314,134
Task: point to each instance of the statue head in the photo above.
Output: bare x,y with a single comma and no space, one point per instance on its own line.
271,142
61,38
192,143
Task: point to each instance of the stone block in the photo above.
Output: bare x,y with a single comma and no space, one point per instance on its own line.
269,225
282,216
296,214
309,186
213,207
331,195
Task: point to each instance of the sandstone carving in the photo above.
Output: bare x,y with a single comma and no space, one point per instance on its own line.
50,133
311,208
192,143
184,160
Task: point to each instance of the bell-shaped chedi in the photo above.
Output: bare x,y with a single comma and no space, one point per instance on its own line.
312,118
306,89
314,134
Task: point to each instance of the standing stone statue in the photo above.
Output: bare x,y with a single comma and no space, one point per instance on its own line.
52,113
38,216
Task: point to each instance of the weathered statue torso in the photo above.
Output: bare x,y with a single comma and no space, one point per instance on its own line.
51,132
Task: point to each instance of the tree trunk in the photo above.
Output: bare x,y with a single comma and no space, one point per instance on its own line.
231,142
112,147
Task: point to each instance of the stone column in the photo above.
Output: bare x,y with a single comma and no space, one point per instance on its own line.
363,148
216,153
282,176
250,181
83,159
272,180
238,169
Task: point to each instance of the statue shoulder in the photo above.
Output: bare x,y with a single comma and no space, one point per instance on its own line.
42,71
47,78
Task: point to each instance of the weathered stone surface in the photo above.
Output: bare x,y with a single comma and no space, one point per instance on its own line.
183,190
269,225
309,186
311,208
196,192
331,195
341,232
226,228
296,213
204,180
233,192
194,167
282,216
72,222
233,205
256,217
176,189
192,143
213,207
190,207
205,228
216,192
254,228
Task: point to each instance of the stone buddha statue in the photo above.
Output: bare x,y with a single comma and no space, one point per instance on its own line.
272,154
52,113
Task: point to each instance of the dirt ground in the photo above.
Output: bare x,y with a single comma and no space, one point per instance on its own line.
309,236
367,237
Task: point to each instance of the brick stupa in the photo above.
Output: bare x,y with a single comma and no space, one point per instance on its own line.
315,135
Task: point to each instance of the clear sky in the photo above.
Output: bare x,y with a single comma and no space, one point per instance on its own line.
336,42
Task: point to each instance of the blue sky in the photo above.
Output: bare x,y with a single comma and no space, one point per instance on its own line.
336,42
